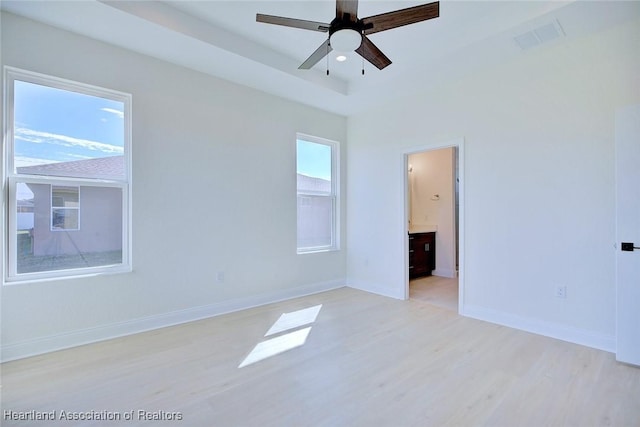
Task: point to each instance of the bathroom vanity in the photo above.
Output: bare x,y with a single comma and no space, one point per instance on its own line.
422,253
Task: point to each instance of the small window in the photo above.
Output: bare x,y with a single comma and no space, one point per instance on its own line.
317,194
65,208
68,176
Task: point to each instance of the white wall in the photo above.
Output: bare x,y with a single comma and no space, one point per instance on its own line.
214,189
433,173
539,190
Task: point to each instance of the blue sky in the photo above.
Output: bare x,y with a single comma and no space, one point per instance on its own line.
53,125
314,159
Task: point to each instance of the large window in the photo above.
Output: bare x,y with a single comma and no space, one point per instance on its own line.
317,184
67,174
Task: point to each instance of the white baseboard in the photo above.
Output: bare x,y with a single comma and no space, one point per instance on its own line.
375,288
443,272
76,338
554,330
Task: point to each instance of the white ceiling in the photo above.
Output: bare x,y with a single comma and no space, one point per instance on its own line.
221,38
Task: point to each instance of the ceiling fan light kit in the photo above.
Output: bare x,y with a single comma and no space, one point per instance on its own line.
345,40
348,33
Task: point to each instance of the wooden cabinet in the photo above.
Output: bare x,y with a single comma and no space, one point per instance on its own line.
422,254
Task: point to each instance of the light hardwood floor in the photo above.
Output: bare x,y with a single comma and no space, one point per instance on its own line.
435,290
368,361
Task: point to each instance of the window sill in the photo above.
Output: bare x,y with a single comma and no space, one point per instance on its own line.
11,281
316,251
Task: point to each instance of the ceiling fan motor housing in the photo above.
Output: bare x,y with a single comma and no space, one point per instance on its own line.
345,35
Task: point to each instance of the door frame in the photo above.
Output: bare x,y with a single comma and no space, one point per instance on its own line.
459,145
627,130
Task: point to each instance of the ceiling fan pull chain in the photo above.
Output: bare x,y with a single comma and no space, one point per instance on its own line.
328,46
363,66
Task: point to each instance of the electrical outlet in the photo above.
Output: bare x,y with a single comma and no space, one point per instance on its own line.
220,277
561,291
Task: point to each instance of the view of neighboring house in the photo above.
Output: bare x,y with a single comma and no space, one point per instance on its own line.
314,213
67,220
99,168
71,219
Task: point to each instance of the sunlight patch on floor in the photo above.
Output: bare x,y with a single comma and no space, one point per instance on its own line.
276,345
292,321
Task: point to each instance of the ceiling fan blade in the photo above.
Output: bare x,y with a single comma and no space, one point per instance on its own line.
398,18
316,56
344,7
291,22
371,53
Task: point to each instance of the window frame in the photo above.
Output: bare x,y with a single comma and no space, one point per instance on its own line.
334,195
10,179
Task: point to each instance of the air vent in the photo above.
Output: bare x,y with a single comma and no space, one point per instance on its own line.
537,36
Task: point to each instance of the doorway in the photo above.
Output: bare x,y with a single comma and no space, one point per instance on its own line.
434,195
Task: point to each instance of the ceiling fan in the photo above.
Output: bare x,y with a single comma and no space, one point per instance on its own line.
349,33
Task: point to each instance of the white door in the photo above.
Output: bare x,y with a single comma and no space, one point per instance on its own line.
628,231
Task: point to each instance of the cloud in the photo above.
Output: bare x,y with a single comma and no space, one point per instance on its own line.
39,137
112,111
